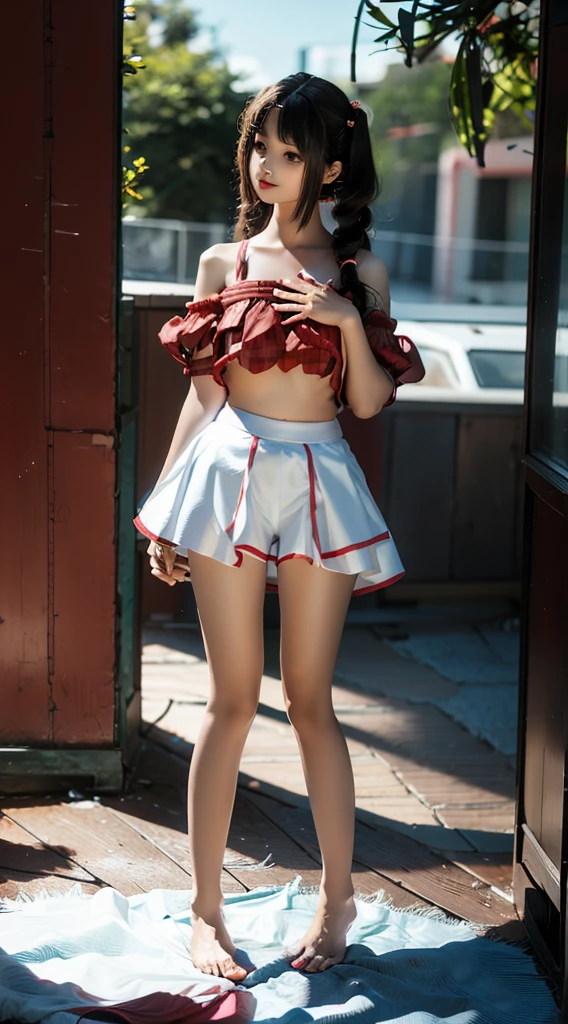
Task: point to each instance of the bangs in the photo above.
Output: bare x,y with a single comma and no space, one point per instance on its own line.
300,124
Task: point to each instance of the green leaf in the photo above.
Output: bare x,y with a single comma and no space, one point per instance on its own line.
379,15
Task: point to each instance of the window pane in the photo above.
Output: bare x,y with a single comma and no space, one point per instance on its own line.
551,392
498,369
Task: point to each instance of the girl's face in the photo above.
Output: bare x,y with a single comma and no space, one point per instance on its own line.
276,168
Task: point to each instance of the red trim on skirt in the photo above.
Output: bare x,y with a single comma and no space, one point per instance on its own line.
244,481
152,536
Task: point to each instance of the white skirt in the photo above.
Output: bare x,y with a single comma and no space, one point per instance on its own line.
273,489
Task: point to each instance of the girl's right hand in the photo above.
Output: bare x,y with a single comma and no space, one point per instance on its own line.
166,565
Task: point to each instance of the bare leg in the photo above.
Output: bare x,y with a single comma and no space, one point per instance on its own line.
313,605
230,603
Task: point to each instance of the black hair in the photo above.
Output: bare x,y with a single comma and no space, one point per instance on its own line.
319,120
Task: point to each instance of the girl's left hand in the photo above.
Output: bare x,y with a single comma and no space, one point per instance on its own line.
309,298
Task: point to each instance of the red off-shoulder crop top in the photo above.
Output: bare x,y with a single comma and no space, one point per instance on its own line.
240,323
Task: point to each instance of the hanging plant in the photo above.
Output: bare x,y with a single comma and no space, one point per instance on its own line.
131,65
495,66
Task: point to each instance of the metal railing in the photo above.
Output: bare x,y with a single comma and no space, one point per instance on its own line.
438,267
166,250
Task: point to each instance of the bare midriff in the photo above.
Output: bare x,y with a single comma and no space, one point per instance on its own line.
295,396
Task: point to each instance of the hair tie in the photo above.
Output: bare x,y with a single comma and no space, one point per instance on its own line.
356,106
348,261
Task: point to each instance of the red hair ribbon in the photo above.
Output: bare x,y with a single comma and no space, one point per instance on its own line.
356,106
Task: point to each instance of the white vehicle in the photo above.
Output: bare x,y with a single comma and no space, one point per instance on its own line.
473,362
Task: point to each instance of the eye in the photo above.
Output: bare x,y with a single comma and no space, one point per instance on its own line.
292,157
258,144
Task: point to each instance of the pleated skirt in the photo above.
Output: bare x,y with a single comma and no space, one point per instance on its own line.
273,489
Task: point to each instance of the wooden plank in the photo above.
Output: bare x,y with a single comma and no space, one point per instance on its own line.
540,866
84,625
299,825
493,868
253,837
543,797
420,495
434,754
24,454
27,769
481,818
19,882
110,849
488,457
166,829
84,161
22,852
424,872
419,870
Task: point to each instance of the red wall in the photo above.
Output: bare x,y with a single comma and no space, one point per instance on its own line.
57,460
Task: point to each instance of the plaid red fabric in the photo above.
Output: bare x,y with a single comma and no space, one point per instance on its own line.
241,323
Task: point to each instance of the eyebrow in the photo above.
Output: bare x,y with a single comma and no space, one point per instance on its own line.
292,145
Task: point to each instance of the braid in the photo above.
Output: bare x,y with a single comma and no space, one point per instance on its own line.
359,188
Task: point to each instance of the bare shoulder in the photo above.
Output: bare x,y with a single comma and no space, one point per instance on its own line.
221,252
215,264
373,271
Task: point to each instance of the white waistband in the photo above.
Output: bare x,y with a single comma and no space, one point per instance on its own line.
279,430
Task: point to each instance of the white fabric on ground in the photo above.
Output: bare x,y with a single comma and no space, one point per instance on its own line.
401,968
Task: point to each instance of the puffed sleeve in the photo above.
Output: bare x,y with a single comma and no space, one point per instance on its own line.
396,353
185,338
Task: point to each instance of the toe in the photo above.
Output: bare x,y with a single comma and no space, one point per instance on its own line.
314,964
232,971
329,962
301,962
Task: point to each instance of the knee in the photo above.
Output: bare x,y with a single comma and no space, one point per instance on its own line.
308,714
235,712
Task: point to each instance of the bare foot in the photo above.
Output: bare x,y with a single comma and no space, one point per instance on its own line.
212,950
324,943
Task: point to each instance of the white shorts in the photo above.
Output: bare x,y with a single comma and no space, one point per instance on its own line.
275,490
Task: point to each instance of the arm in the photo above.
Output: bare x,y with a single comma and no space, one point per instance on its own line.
367,386
202,404
205,396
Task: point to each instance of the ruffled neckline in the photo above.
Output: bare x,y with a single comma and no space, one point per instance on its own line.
262,288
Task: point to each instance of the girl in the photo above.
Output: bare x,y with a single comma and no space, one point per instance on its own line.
289,323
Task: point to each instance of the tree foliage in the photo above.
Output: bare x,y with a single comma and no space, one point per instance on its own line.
495,66
402,102
181,114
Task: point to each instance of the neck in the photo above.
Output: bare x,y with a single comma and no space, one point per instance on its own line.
281,229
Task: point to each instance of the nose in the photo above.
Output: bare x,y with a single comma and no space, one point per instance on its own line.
264,166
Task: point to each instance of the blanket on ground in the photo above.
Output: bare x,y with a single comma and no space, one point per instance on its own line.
64,956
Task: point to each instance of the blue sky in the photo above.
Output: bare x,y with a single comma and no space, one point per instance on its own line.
263,37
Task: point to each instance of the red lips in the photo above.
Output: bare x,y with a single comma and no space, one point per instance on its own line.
265,184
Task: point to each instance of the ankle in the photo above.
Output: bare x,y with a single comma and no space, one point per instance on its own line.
336,895
208,908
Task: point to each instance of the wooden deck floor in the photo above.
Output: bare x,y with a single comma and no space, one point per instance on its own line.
435,804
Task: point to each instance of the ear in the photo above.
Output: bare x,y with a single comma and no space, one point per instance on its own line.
332,172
